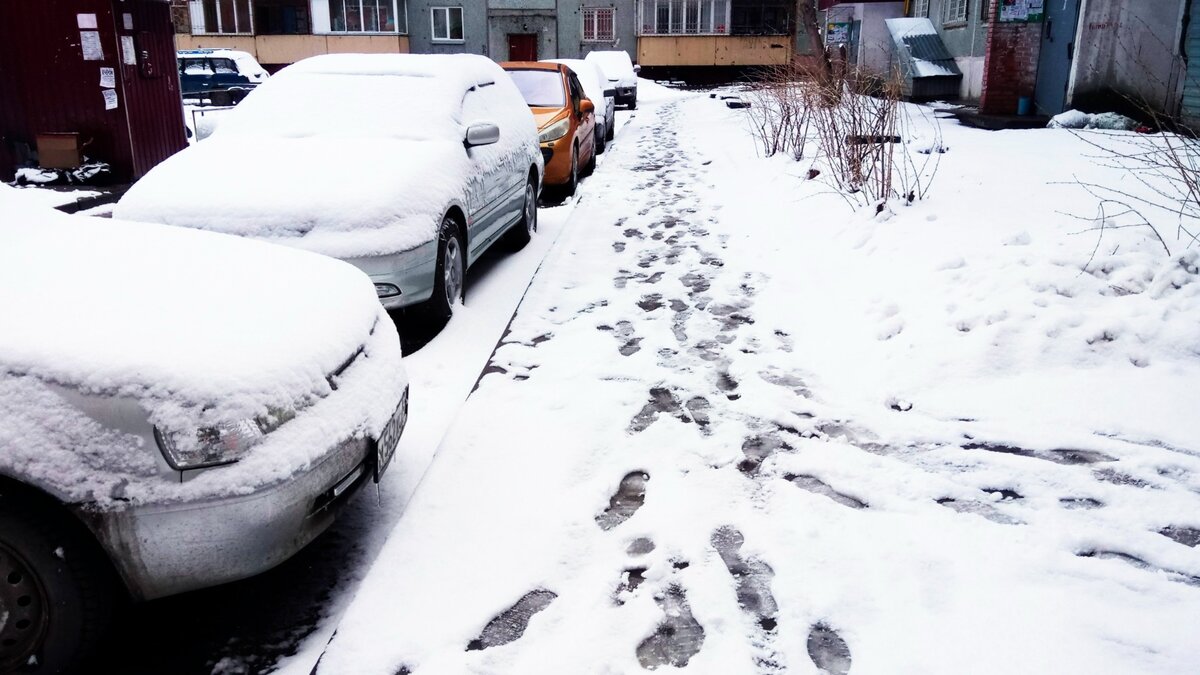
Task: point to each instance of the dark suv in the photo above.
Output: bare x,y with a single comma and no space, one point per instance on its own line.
224,76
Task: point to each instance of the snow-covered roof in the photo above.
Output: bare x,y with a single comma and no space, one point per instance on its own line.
921,49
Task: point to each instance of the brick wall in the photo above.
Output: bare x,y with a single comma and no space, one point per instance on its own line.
1010,64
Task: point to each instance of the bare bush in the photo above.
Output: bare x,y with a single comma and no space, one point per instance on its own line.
1161,181
778,115
858,123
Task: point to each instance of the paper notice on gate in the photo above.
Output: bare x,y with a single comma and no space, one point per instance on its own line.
86,21
108,77
127,21
110,99
128,55
89,40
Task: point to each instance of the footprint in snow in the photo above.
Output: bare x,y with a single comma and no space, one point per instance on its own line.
678,637
624,333
1188,536
625,502
757,449
820,487
828,650
752,577
510,624
662,400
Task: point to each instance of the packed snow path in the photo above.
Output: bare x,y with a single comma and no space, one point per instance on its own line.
649,476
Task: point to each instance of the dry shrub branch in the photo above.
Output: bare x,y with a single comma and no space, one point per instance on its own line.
858,123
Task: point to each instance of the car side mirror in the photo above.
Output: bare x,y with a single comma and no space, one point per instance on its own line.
482,133
586,106
637,69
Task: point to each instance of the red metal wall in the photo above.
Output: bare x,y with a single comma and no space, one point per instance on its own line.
151,87
46,85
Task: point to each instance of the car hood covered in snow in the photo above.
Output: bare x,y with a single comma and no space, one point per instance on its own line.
343,197
172,314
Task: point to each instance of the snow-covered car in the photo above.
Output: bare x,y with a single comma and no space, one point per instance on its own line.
222,75
621,72
178,409
597,89
407,166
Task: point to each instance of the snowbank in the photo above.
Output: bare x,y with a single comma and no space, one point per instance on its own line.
1075,119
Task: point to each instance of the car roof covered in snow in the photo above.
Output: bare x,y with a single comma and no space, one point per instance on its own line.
245,60
460,71
115,306
616,63
348,155
590,76
405,96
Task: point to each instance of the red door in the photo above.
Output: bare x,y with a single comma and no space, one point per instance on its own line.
522,47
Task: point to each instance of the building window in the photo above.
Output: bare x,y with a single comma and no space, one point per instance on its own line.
956,11
764,17
447,23
598,24
368,16
920,8
221,17
685,17
281,17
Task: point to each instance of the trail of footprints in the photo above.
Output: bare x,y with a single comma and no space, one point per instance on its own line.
703,330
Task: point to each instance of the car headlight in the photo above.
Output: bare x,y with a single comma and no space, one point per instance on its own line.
222,443
555,131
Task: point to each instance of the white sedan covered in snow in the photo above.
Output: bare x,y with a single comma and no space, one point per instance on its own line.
407,166
178,409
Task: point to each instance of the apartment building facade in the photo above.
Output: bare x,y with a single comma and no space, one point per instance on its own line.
279,32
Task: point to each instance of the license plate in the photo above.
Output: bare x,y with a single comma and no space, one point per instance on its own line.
385,447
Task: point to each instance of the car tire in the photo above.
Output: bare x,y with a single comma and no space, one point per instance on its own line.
610,131
573,181
58,593
590,167
521,233
450,270
601,137
633,103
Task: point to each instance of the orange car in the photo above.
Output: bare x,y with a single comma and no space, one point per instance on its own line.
566,119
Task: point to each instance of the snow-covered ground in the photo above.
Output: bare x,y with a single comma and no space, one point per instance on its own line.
50,197
737,427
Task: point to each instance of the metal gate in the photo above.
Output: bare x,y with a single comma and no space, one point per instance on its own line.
1191,52
1057,52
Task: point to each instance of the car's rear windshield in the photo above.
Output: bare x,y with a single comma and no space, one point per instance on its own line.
541,88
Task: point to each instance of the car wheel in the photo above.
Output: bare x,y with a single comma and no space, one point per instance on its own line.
610,130
522,232
449,273
601,137
573,181
633,103
591,164
56,592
